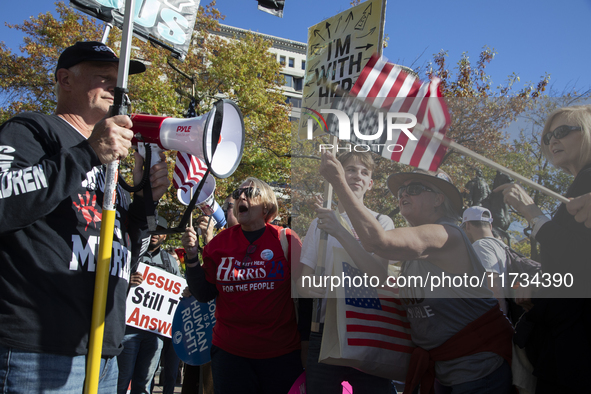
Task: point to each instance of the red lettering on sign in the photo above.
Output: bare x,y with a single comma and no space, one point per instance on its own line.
151,278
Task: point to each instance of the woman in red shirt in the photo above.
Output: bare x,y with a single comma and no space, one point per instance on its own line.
256,344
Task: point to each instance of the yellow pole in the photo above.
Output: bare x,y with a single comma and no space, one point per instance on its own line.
97,324
97,329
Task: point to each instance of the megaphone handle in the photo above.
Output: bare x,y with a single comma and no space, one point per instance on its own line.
155,157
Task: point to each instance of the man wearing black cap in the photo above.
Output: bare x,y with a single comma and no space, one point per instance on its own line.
51,194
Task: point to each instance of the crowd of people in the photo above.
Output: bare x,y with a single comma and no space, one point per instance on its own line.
267,334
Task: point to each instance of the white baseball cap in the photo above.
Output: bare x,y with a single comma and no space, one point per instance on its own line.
476,214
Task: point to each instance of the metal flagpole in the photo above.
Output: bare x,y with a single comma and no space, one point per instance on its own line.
467,152
97,328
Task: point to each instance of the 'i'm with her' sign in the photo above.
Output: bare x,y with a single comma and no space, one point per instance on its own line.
168,23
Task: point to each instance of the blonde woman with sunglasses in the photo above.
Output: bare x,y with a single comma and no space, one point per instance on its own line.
555,332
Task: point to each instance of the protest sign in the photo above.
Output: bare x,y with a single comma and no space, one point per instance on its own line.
192,330
168,23
151,305
338,48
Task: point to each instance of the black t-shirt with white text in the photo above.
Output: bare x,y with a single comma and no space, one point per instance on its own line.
51,196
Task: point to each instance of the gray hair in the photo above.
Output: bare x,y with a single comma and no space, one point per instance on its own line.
74,70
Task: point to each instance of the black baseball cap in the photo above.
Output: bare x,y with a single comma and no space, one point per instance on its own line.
93,51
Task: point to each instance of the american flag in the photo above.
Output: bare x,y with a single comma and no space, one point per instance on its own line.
188,171
374,316
389,88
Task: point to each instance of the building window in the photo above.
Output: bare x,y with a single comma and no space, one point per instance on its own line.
291,62
295,102
303,64
289,81
282,60
298,83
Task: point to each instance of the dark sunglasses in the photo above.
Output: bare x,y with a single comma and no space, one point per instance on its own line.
414,189
250,250
249,192
559,132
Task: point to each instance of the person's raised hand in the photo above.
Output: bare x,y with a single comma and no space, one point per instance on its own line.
111,138
580,208
190,243
158,176
331,169
136,279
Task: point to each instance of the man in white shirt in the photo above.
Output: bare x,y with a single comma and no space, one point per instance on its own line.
324,378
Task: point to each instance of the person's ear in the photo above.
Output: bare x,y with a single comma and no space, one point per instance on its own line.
439,200
64,78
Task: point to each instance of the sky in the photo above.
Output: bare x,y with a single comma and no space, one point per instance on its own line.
531,37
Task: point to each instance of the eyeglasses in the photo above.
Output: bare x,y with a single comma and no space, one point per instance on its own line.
250,250
559,132
249,192
414,189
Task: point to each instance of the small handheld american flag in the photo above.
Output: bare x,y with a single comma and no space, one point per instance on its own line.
188,171
387,87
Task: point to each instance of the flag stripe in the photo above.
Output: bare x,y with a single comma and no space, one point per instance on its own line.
395,310
383,319
380,344
364,73
378,330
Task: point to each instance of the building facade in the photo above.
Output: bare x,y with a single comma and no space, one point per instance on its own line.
291,55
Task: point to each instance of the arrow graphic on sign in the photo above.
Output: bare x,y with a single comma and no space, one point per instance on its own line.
361,24
349,19
371,31
366,47
338,23
315,49
317,33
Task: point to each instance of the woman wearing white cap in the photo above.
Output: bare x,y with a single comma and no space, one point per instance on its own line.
462,337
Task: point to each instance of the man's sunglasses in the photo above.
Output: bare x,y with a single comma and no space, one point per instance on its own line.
414,189
249,192
559,132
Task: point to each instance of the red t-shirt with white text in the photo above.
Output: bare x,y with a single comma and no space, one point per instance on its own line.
254,309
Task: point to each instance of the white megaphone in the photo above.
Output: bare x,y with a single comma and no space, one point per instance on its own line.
195,135
205,201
